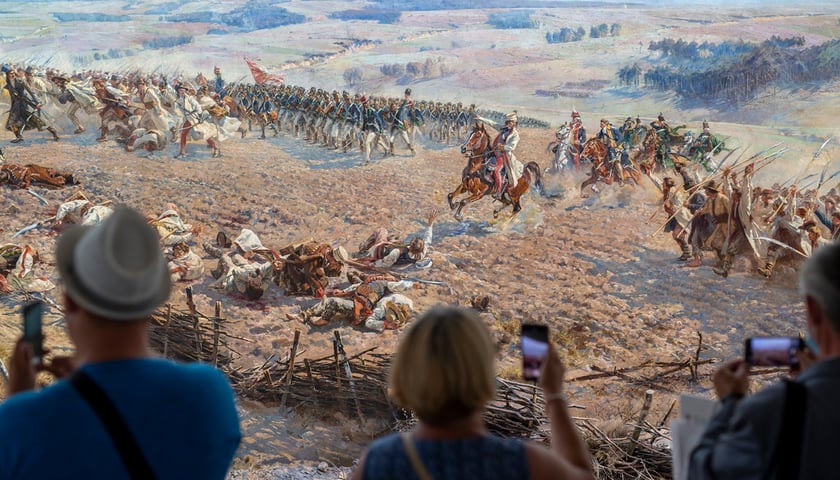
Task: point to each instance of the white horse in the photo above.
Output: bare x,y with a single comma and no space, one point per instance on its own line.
560,148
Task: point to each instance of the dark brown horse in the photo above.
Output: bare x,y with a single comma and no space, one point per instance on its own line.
646,156
477,180
602,169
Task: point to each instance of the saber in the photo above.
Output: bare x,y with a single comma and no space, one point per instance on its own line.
776,242
36,195
33,226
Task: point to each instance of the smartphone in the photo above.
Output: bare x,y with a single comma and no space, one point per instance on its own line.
773,351
534,349
32,312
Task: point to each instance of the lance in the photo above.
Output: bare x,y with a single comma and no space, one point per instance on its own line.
783,245
708,156
813,158
822,176
726,158
806,177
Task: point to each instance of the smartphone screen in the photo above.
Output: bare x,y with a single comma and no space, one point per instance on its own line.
534,349
32,327
772,351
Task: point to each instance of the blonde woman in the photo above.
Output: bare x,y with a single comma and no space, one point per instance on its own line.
444,372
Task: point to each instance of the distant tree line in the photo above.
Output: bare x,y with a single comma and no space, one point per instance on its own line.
679,48
167,42
566,34
431,68
512,19
85,60
777,62
382,16
90,17
254,15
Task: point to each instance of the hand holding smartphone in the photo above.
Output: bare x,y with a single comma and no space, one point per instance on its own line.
773,351
32,334
534,350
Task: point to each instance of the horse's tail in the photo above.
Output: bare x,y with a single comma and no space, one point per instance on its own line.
534,169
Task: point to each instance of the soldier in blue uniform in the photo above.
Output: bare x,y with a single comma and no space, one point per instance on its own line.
612,138
218,83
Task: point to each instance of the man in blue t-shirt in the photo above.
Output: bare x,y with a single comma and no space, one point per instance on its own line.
177,421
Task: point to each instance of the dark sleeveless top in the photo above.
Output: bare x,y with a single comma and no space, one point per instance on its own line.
476,458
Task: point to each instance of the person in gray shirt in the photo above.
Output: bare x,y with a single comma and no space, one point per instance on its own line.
789,429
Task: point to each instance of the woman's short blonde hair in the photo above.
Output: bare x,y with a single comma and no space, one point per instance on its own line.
444,369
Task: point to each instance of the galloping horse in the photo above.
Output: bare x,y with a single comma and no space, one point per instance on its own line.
561,148
650,145
477,179
602,169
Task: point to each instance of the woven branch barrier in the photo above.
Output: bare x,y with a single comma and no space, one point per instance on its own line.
357,384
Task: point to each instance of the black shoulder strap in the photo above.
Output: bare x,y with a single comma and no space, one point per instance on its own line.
789,443
135,462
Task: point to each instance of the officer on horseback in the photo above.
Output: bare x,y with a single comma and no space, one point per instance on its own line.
577,137
504,145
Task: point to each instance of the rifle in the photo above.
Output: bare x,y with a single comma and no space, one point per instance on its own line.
427,282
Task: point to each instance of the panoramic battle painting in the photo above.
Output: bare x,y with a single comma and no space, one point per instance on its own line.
644,178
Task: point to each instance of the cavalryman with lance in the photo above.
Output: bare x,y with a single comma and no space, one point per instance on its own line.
704,146
664,132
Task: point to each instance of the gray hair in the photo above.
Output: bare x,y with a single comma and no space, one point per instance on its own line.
820,280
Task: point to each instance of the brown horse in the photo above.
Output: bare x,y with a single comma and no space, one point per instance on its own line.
477,180
22,176
602,169
646,156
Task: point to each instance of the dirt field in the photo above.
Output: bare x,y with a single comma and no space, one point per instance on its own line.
612,292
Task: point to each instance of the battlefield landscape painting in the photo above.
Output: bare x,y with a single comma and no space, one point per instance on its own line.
583,246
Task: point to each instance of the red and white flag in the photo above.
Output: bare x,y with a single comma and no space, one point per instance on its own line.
262,75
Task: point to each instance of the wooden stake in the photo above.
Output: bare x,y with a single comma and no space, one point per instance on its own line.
308,366
693,364
291,369
166,330
340,347
642,416
337,365
216,320
194,313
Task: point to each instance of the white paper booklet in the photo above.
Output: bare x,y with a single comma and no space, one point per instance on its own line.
686,431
